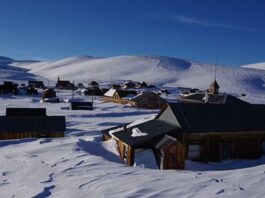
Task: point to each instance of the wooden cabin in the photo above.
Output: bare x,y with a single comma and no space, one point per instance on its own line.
30,123
148,100
93,91
118,95
203,132
9,87
64,84
36,84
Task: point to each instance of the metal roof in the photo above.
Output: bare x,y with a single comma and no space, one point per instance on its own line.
201,117
152,128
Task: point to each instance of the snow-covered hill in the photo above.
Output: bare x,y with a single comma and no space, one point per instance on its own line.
159,70
255,66
10,70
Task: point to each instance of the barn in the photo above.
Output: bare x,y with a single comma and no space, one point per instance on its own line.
197,131
30,122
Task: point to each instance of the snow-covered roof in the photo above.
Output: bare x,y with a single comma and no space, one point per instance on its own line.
110,92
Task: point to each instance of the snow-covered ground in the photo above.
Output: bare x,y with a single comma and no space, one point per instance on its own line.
81,165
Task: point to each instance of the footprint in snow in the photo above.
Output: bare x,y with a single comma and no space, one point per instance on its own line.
5,173
220,192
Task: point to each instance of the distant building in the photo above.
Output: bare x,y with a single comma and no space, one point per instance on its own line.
148,100
195,131
118,95
81,105
9,87
30,123
36,84
64,84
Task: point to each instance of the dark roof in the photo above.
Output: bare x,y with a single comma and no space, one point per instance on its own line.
213,98
123,93
152,128
144,95
25,112
200,117
17,124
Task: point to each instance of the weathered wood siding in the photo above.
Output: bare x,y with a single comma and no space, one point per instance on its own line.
244,145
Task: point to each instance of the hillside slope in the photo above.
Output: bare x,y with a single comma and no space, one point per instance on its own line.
159,70
255,66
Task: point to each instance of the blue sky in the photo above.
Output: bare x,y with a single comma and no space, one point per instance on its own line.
234,30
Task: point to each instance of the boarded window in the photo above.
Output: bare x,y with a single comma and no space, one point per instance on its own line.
194,152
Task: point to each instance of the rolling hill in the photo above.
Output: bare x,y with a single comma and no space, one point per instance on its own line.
159,70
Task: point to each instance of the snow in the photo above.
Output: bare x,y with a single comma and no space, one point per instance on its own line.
255,66
110,93
138,133
81,165
159,70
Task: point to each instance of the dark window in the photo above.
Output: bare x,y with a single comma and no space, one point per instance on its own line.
226,151
194,152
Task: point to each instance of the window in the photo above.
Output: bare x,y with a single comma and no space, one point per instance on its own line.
194,152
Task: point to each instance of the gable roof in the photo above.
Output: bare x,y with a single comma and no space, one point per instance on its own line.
166,141
122,93
110,92
201,117
151,129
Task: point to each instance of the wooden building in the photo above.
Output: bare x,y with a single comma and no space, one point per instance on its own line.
203,132
118,95
148,100
9,87
30,123
93,91
36,84
64,84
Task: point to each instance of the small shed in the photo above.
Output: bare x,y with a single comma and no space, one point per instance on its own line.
170,153
81,105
